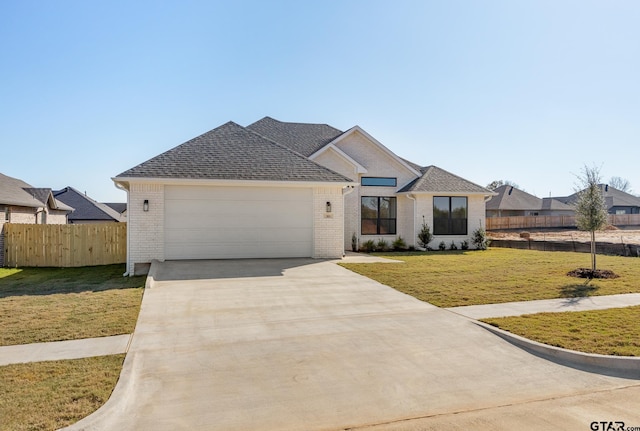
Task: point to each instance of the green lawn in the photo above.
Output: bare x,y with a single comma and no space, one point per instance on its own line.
46,396
455,278
53,304
606,332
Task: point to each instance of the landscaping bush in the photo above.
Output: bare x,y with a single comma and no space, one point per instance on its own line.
442,246
368,246
382,245
453,246
479,239
399,244
464,245
424,236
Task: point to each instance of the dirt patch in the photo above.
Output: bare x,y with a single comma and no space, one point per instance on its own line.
588,273
611,235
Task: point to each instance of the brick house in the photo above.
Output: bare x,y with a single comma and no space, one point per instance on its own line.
278,189
22,203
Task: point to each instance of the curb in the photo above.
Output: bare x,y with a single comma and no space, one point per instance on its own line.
627,367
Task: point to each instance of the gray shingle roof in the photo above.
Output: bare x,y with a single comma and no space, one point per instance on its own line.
85,208
511,198
612,196
436,180
304,138
232,152
16,192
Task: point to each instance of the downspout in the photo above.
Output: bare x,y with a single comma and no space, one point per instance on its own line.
349,190
127,270
415,208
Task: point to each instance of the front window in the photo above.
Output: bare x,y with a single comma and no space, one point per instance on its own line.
379,181
378,215
449,215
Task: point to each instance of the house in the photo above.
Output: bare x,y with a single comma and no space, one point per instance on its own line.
87,210
510,202
119,207
22,203
617,201
278,189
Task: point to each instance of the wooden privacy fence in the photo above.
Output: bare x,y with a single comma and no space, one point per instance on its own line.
65,245
532,222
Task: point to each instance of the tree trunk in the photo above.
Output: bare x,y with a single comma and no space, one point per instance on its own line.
593,251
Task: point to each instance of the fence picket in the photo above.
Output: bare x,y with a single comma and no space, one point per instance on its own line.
68,245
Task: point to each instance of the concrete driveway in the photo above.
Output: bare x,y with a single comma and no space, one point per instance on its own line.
297,344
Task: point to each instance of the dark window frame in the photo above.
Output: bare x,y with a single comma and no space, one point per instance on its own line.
392,183
391,223
452,225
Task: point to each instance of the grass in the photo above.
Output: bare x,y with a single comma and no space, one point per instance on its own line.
606,332
50,395
53,304
456,278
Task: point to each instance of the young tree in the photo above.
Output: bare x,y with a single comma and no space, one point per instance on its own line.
591,210
424,236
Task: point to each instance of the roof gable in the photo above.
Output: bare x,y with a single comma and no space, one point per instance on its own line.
436,180
84,207
232,152
358,130
14,191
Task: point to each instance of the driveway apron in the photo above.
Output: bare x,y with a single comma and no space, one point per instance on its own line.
298,344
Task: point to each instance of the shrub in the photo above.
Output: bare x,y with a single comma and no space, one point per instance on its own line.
453,246
354,242
368,246
479,239
382,245
464,245
424,236
399,244
442,246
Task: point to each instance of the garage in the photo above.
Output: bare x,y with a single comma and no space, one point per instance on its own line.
207,222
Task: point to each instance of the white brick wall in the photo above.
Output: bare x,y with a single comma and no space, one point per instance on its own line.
475,218
328,236
145,236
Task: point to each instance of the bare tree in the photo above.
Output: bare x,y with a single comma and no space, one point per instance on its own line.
621,184
497,183
591,209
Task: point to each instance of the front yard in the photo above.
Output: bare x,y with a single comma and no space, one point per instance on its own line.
456,278
53,304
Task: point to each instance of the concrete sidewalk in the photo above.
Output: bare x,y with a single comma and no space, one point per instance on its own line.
57,350
548,306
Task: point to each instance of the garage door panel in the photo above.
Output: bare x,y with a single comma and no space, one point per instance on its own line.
234,222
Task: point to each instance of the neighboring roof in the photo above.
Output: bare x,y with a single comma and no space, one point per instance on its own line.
120,207
436,180
16,192
232,152
612,196
86,208
304,138
514,199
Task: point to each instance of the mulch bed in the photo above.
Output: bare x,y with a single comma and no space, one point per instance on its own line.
588,273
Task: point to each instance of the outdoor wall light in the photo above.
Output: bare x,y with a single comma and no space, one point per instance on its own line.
145,205
328,208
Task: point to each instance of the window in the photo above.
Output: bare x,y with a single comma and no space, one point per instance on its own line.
7,214
379,181
378,215
449,215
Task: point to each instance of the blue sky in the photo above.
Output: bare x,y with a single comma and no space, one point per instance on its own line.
525,91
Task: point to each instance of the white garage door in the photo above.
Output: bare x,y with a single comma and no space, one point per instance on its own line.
237,222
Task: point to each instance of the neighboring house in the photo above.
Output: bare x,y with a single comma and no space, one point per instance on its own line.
87,210
119,207
276,189
510,202
22,203
617,201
